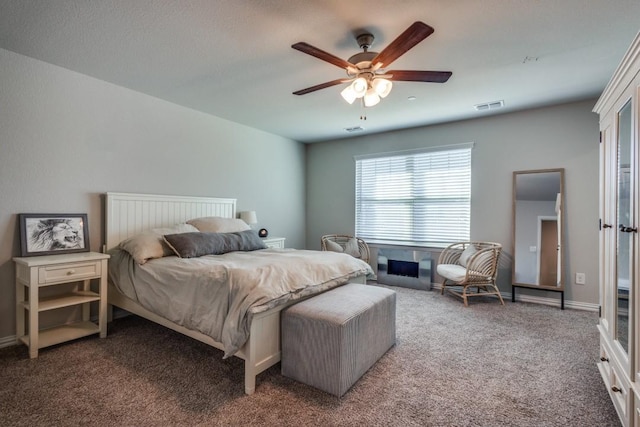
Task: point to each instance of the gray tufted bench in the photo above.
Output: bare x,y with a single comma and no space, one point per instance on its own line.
329,341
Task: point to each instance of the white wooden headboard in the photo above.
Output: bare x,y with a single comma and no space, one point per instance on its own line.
128,213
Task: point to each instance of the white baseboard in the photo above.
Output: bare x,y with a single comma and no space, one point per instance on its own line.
554,302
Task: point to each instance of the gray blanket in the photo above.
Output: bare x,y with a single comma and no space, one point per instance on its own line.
217,295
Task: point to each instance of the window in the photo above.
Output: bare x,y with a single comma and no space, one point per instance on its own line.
418,197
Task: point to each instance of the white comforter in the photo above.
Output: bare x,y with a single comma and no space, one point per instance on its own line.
218,294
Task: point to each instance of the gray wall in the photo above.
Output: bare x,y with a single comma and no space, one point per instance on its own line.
564,136
67,138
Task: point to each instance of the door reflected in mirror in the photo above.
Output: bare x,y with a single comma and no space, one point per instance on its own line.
538,204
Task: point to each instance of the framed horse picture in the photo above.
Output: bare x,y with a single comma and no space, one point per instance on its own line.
49,234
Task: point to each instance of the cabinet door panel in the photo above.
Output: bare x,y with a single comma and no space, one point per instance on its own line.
607,224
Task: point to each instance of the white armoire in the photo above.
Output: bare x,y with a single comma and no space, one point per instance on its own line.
619,324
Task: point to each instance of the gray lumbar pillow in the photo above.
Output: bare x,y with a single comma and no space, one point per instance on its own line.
190,245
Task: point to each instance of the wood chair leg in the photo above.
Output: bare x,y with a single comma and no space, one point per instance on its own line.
498,292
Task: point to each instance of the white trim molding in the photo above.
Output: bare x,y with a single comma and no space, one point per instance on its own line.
554,302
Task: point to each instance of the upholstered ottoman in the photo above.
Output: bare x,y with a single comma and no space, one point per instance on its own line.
329,341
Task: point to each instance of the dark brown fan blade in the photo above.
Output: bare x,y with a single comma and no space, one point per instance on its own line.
318,87
413,35
419,76
321,54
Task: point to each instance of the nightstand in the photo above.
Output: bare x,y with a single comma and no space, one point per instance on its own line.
38,272
274,242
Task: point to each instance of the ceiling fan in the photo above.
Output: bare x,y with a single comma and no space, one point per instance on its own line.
365,70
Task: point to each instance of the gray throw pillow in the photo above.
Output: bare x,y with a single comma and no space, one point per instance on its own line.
191,245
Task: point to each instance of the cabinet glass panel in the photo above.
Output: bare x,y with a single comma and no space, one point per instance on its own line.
624,219
605,270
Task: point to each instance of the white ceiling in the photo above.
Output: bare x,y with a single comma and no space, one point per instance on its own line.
233,58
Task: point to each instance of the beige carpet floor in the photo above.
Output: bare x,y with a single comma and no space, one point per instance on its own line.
485,365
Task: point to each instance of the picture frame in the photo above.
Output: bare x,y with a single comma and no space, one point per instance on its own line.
51,234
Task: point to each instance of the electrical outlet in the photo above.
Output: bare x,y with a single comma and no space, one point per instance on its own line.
580,279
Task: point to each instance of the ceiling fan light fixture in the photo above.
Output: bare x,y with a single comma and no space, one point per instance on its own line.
359,87
371,98
382,87
348,94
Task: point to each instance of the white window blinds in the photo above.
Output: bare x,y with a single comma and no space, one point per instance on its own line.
420,198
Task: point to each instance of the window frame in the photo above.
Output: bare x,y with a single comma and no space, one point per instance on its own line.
412,206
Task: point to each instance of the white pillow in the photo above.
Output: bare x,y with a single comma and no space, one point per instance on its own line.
175,229
217,224
466,255
150,244
333,246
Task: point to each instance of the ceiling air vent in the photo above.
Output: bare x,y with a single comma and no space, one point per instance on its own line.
354,129
489,105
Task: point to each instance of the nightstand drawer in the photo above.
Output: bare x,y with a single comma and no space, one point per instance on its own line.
68,272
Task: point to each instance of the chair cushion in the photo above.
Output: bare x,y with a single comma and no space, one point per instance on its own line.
457,273
452,272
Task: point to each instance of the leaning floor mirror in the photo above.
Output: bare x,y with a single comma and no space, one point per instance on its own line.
538,229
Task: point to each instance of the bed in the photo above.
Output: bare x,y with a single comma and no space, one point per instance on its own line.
128,215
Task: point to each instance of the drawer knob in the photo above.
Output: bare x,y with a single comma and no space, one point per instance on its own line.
616,389
70,272
604,359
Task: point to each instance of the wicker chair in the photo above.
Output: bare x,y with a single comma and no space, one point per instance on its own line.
348,245
468,265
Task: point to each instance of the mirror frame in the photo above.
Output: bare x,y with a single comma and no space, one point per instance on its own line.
561,243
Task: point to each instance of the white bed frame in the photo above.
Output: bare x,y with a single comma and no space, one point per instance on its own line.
128,214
